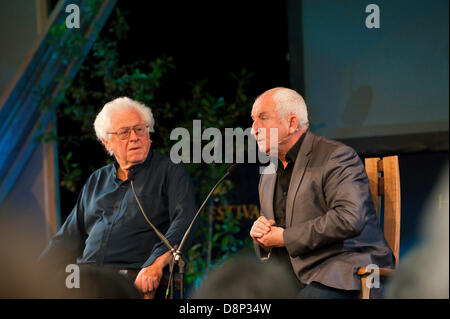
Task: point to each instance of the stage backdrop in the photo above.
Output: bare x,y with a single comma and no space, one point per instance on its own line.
375,84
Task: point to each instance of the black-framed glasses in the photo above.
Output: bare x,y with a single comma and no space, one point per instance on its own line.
124,132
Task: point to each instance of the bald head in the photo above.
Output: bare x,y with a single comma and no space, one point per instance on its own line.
286,102
281,109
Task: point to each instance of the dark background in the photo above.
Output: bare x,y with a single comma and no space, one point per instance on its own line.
210,39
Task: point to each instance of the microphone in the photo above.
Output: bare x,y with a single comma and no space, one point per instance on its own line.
287,136
230,170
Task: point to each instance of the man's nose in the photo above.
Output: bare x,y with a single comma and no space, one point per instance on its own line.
133,135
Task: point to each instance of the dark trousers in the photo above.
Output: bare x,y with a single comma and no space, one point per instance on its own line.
316,290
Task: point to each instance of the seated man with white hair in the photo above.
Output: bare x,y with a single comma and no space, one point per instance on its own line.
317,215
106,227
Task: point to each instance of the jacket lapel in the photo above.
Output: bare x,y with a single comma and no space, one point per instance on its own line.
266,194
300,165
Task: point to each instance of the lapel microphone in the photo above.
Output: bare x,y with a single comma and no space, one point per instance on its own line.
287,136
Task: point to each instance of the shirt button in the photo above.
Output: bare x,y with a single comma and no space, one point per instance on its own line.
284,193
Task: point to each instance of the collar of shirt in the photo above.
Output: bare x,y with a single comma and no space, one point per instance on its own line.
134,168
291,155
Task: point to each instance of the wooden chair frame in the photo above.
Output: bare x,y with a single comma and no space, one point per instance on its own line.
384,182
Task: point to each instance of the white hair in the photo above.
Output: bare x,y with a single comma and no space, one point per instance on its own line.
102,123
288,102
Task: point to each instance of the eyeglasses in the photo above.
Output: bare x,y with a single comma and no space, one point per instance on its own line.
124,133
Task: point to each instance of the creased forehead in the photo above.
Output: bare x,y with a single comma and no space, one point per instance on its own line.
264,102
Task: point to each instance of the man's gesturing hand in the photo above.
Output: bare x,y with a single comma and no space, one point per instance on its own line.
266,234
274,238
260,227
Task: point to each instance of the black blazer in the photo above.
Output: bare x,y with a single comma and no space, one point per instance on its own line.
331,224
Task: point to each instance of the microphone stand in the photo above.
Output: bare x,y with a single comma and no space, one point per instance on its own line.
158,233
177,258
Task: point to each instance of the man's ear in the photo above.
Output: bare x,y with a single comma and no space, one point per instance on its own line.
107,144
293,123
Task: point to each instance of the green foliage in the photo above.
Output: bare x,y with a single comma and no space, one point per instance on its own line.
70,173
104,77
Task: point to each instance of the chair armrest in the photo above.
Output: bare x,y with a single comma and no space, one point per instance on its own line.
364,271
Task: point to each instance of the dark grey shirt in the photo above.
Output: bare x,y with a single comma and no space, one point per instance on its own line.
116,233
283,180
282,184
